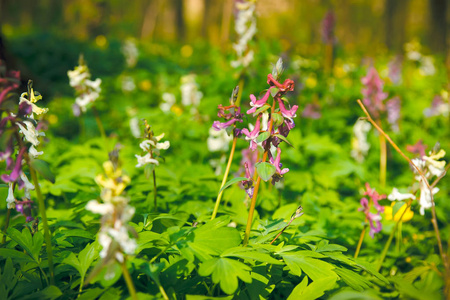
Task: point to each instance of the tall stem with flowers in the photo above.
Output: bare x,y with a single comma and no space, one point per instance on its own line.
272,126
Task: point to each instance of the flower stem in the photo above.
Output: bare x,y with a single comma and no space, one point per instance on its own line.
224,180
99,122
42,211
282,230
258,182
155,192
361,238
433,208
128,280
383,157
8,216
391,236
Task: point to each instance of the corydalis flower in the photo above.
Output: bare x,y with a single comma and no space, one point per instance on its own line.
360,145
393,112
417,148
373,92
373,219
87,90
328,23
375,197
245,27
152,147
190,94
278,165
439,107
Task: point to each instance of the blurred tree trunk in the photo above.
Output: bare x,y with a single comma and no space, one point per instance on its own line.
438,26
150,18
396,14
179,20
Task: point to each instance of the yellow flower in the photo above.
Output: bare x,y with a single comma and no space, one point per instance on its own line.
406,217
114,183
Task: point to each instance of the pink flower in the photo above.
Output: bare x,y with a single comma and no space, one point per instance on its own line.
287,113
277,164
373,219
417,148
373,92
375,197
251,136
257,103
288,84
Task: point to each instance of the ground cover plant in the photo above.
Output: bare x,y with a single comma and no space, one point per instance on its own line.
241,174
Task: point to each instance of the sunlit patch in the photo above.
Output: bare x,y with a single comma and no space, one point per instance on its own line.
145,85
101,41
186,51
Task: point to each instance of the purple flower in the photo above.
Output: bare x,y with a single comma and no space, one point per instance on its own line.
312,111
373,92
395,69
248,184
251,136
328,28
375,197
258,103
24,207
15,174
393,112
417,148
285,112
373,219
438,107
278,171
219,126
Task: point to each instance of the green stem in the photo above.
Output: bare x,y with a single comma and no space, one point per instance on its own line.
47,233
282,230
361,238
255,191
398,240
8,216
99,122
128,280
224,180
383,158
155,193
391,236
160,253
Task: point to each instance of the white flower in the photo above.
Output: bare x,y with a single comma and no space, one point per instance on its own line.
128,84
33,152
245,27
28,185
88,90
78,75
427,67
30,133
131,52
100,208
425,197
10,200
35,109
436,167
169,101
190,95
134,127
265,121
218,140
94,85
145,145
360,146
397,196
146,159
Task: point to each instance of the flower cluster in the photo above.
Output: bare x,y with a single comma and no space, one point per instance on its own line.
374,219
360,146
426,63
190,94
373,93
152,147
245,27
87,90
393,113
130,52
328,23
115,235
18,123
431,166
272,125
439,106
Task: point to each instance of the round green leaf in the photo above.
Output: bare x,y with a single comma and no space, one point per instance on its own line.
265,170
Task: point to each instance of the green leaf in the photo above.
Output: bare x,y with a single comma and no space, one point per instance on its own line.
232,181
263,136
218,239
315,269
313,291
353,279
248,253
201,297
78,233
43,168
262,109
396,207
265,170
226,272
281,137
277,119
50,293
354,295
18,256
31,244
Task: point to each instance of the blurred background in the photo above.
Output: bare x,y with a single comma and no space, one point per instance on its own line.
364,25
